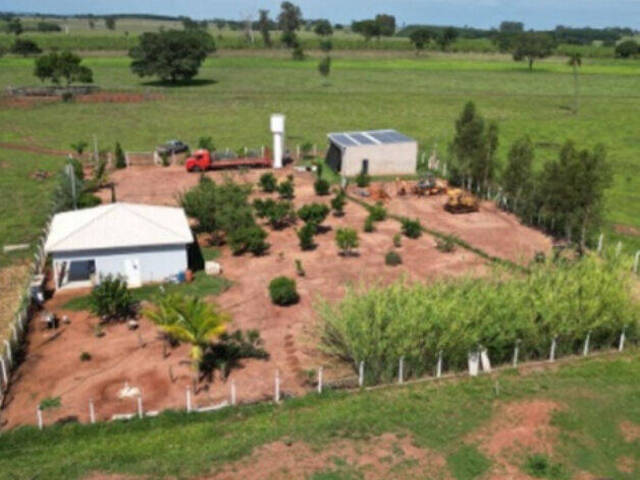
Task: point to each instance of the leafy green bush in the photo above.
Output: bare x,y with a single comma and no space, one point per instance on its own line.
566,301
111,299
321,187
347,240
411,228
286,189
539,466
121,161
268,182
338,202
378,213
250,238
305,236
280,214
85,356
49,403
397,240
368,225
363,180
314,213
283,291
206,143
392,258
445,244
299,268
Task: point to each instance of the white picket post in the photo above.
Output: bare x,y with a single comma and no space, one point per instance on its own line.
600,242
276,396
401,370
5,374
622,339
361,374
233,392
188,394
552,352
585,350
636,261
140,411
320,380
39,417
439,365
92,412
516,353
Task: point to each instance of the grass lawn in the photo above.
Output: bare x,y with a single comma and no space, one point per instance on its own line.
595,396
234,96
202,285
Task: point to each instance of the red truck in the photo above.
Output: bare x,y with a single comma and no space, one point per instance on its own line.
202,160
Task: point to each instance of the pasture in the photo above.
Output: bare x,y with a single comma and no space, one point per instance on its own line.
235,92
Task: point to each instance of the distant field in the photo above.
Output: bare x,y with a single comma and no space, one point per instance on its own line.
235,94
582,419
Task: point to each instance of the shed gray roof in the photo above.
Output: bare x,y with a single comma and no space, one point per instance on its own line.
368,137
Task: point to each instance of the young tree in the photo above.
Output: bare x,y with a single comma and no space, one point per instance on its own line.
473,148
367,28
338,202
282,291
627,49
14,25
532,46
79,147
286,189
323,28
25,47
190,320
420,37
62,66
305,236
447,37
324,66
121,161
517,179
264,25
110,23
575,62
387,24
347,240
268,182
111,299
248,238
289,21
171,55
92,22
326,45
314,213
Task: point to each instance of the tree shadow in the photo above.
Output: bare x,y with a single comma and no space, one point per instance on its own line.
195,82
228,352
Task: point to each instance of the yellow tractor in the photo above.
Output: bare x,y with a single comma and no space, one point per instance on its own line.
461,201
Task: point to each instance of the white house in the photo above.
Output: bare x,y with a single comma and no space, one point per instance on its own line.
143,243
375,152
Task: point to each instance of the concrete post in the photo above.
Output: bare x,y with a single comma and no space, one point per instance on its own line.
276,396
8,351
39,418
401,370
622,339
585,349
233,392
320,380
188,399
361,374
439,365
140,410
92,412
552,352
516,353
14,331
5,374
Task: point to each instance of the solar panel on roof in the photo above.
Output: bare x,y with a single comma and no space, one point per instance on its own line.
343,140
362,139
389,136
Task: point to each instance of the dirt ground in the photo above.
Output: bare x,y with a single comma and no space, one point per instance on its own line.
53,368
26,101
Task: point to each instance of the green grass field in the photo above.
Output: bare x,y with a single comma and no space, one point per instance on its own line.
594,396
234,94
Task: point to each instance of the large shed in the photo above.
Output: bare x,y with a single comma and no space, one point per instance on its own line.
142,243
375,152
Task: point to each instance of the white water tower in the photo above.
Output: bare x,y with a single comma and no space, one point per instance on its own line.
277,128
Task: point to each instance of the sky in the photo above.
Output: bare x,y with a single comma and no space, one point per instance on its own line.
539,14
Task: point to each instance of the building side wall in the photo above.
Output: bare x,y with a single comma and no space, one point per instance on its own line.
156,263
386,159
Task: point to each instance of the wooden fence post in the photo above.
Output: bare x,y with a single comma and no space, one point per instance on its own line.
233,392
92,413
361,374
320,380
39,417
276,395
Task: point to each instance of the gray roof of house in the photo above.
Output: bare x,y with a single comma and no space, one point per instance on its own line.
368,137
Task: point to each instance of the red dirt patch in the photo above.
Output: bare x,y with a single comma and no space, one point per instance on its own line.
27,101
627,230
630,431
517,428
33,149
626,464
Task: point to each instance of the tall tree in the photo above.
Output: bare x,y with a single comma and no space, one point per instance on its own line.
508,26
575,62
323,28
447,37
290,17
62,66
367,28
14,25
171,54
264,25
324,67
532,46
420,37
517,179
387,24
473,148
110,23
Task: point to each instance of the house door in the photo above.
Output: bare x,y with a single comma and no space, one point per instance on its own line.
132,272
365,167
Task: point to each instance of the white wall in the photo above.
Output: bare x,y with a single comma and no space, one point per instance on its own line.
385,159
156,263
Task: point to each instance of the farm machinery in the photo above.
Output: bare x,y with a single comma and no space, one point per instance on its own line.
428,185
461,201
202,160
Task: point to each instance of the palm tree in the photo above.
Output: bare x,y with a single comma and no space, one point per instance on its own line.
190,320
575,61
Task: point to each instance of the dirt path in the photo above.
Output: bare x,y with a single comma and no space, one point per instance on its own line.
34,149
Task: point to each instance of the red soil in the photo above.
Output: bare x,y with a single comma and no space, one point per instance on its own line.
26,101
53,368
